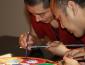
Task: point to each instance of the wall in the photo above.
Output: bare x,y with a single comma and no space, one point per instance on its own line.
12,18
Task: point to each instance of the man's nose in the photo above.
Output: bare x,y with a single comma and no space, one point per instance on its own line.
38,18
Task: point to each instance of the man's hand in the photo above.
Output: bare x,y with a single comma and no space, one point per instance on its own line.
57,48
78,54
26,39
70,61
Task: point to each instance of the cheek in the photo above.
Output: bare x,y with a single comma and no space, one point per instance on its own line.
76,31
64,22
79,32
48,16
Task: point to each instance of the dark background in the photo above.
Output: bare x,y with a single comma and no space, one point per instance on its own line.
9,44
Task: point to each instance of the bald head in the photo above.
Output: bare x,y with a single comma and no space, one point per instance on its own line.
46,3
61,3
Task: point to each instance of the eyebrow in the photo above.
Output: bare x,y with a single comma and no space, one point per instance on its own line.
40,13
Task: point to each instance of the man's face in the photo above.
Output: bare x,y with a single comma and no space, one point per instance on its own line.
69,21
41,14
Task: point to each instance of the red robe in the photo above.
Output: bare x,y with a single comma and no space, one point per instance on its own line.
45,29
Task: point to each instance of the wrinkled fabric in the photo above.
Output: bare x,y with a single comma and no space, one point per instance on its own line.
45,29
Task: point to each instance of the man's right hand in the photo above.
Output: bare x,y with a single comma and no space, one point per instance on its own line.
78,54
57,48
70,61
26,39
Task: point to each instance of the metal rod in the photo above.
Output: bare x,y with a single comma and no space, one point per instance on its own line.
75,45
40,46
72,45
26,51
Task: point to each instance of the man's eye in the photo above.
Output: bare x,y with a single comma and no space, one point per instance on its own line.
41,14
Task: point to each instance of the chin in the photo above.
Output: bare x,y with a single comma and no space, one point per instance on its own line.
78,35
47,22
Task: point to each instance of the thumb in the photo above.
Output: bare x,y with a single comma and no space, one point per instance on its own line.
70,61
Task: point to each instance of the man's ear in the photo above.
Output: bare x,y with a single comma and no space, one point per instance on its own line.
72,8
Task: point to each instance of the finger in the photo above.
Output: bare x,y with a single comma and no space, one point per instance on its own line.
81,52
80,56
23,44
70,61
54,43
29,48
22,40
30,40
76,52
82,63
72,53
